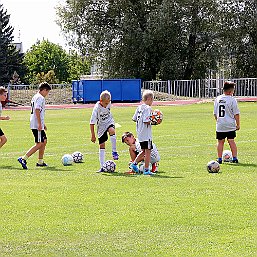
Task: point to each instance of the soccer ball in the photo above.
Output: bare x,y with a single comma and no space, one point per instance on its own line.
156,117
227,156
77,157
67,159
213,167
141,167
109,166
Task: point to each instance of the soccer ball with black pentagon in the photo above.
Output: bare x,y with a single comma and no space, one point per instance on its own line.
67,159
77,157
156,117
213,167
109,166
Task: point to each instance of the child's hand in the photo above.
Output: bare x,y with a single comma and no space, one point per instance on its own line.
93,139
237,127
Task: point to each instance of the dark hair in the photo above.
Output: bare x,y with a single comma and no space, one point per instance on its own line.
2,90
44,85
125,135
228,85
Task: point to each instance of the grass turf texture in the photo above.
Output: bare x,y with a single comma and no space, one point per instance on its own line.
181,211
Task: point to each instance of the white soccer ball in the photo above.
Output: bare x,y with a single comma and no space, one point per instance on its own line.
109,166
67,159
141,167
213,167
227,156
77,157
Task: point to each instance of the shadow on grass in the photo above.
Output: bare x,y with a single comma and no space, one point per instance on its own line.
123,174
10,167
37,168
243,164
52,168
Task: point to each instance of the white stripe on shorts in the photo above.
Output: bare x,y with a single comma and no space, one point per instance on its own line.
39,136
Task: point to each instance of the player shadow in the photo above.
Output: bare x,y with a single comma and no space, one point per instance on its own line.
9,167
243,164
52,168
156,175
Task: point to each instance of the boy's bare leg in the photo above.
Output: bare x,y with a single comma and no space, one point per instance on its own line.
33,149
147,158
233,147
41,150
220,147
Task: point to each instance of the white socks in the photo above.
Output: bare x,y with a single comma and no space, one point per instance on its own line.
113,141
101,156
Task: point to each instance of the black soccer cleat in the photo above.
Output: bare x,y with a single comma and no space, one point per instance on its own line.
41,164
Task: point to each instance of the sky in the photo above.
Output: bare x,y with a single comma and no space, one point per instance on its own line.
34,20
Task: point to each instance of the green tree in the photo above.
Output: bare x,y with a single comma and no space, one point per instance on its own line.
140,38
78,65
45,56
10,59
238,33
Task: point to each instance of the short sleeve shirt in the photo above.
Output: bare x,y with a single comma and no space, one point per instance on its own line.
225,108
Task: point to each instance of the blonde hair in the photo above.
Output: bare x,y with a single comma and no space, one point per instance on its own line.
147,94
105,95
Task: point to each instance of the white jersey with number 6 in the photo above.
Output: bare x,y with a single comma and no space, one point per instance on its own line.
37,102
225,109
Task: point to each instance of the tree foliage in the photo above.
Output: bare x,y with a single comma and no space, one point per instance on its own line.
180,39
10,59
50,62
43,57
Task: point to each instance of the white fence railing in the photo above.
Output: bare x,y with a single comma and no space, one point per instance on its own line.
202,88
22,94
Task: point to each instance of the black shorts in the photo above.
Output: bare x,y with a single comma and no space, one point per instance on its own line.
1,132
104,137
146,145
224,135
39,135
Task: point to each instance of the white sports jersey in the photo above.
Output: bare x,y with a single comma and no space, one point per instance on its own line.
141,116
155,156
102,117
37,102
225,108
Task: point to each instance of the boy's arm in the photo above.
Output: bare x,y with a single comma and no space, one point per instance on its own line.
237,118
37,112
92,130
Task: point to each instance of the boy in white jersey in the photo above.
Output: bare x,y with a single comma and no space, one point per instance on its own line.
144,131
38,127
3,95
102,118
227,117
135,148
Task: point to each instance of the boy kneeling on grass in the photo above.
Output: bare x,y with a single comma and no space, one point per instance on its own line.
135,148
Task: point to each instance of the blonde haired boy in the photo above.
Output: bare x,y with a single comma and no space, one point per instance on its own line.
144,131
103,119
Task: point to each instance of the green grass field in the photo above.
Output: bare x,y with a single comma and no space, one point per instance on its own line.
181,211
